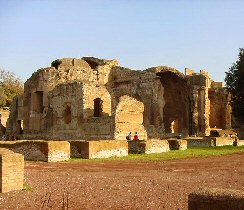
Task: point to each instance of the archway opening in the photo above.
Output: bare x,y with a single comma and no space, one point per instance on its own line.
177,105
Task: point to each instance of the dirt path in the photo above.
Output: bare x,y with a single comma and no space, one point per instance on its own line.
123,184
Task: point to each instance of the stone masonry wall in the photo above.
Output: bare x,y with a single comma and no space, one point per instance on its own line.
80,98
129,117
11,171
220,108
104,149
148,147
63,119
50,151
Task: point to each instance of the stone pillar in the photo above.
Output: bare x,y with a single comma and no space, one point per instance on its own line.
194,111
206,112
11,171
228,112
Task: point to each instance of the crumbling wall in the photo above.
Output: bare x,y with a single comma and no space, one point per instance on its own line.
91,93
200,103
176,111
129,117
145,87
79,99
220,108
65,112
35,98
15,122
50,151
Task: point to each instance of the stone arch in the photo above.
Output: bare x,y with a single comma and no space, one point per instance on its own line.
176,110
129,117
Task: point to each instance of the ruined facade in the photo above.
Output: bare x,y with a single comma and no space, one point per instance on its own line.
91,98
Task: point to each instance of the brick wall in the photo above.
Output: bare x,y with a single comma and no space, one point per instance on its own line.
222,141
177,144
103,148
11,171
200,142
50,151
148,147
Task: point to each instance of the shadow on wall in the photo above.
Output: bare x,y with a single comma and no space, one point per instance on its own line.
176,111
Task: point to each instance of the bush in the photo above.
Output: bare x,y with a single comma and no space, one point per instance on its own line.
10,86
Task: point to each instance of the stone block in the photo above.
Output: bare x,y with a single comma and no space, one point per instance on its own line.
37,150
200,142
103,149
58,151
216,199
148,147
177,144
223,141
240,143
11,171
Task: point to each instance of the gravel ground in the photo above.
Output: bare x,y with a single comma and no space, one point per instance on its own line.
113,184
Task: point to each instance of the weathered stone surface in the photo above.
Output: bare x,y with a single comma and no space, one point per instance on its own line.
103,149
240,143
90,99
211,141
11,171
58,151
200,142
148,147
220,108
50,151
177,144
129,117
216,199
223,141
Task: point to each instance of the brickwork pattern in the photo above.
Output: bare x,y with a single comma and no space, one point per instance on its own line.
50,151
104,149
11,171
148,147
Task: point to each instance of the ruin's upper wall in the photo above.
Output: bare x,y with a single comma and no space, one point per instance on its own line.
86,70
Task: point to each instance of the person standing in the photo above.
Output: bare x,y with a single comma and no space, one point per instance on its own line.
129,136
136,137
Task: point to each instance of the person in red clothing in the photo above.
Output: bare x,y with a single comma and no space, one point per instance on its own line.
136,137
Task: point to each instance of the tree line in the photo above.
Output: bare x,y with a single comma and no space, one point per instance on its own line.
10,87
235,83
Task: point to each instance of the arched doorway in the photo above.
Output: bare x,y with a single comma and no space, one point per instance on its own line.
129,117
176,110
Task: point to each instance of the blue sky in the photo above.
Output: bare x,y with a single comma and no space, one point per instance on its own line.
140,34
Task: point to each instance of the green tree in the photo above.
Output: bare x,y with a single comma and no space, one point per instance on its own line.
10,86
235,83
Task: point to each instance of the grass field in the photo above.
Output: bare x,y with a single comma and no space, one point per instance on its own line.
192,152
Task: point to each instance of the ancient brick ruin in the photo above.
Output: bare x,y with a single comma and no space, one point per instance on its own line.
11,171
96,99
